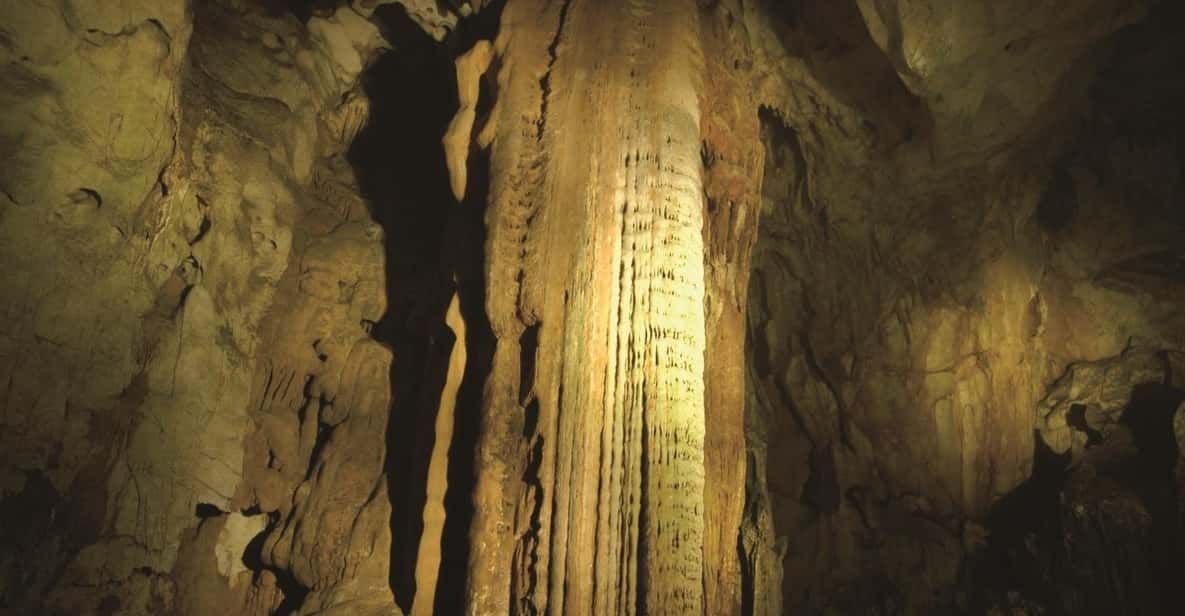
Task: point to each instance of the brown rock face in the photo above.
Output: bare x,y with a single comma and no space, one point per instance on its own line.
328,307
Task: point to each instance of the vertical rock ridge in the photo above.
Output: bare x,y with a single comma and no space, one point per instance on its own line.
733,160
429,558
597,235
470,68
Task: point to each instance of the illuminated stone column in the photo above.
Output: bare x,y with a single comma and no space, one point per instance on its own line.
591,461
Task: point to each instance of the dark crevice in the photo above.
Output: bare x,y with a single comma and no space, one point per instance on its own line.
641,571
753,505
206,510
821,490
202,230
748,579
400,165
481,26
294,592
531,418
433,248
1076,419
758,351
528,344
94,195
467,240
784,161
545,80
784,185
324,431
302,9
530,542
841,411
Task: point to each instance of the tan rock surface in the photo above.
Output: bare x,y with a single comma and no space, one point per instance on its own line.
777,307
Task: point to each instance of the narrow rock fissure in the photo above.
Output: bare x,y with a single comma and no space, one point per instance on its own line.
641,571
466,242
206,510
528,347
458,504
545,80
434,246
399,161
324,432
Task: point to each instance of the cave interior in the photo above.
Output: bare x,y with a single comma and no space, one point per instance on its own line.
413,307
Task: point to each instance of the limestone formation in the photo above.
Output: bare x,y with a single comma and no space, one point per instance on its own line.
1086,405
328,307
428,559
470,68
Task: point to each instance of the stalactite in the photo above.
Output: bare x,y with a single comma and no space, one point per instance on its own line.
470,68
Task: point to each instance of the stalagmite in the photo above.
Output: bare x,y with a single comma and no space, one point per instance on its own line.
428,560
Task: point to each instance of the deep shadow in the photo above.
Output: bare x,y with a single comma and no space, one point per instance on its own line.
1151,475
1139,89
1024,521
293,592
399,161
1101,536
1076,419
430,241
302,9
468,236
466,250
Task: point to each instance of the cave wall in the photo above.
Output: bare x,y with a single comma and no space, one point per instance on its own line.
711,307
924,281
191,276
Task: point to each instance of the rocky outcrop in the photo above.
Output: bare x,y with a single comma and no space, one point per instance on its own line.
189,142
1086,405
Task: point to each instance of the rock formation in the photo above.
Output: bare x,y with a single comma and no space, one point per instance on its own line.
626,307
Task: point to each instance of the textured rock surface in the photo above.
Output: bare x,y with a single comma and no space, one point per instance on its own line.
635,306
595,248
470,68
1102,390
156,180
921,285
